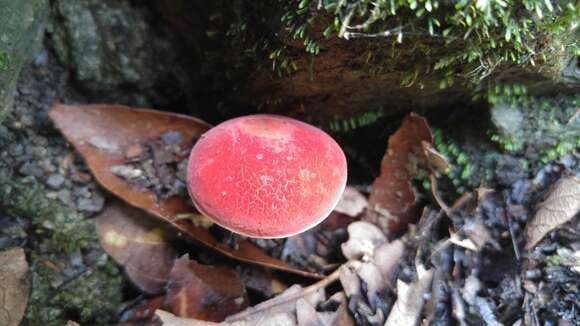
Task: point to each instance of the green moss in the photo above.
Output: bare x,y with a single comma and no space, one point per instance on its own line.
465,172
341,125
546,128
90,296
531,132
485,35
4,61
68,231
70,275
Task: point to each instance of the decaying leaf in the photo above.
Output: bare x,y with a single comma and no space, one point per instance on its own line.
169,319
352,202
138,242
410,297
280,319
105,134
371,276
142,313
363,239
204,292
392,199
562,204
286,302
13,288
387,257
261,280
307,315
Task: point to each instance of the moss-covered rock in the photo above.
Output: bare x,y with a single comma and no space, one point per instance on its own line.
71,278
517,135
21,24
345,58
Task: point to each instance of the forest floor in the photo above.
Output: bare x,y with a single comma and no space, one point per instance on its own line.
464,262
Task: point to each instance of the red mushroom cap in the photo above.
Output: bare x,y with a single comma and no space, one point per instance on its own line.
266,176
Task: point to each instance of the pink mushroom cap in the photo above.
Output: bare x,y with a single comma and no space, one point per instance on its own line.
266,176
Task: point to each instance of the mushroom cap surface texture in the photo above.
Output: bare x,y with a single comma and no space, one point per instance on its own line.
266,176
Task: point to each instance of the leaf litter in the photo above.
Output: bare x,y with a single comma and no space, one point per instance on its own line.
14,290
464,262
121,128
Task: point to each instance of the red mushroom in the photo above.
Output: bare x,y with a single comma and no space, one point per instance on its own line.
266,176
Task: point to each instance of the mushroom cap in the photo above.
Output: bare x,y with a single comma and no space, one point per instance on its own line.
266,176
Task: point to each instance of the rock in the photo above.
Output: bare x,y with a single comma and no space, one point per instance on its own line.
65,197
21,24
91,205
30,169
115,52
508,119
55,181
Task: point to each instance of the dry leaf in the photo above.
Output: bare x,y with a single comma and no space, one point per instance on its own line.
169,319
281,319
392,199
352,202
13,288
143,312
387,258
562,204
348,278
286,302
139,243
261,280
407,308
103,134
283,303
204,292
307,315
363,238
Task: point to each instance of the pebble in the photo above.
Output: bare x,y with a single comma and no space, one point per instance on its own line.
91,205
55,181
172,137
30,169
64,195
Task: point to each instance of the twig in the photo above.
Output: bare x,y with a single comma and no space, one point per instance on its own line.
435,193
283,299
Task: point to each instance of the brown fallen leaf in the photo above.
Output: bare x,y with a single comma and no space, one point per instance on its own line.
102,134
392,199
139,243
13,288
142,313
562,204
204,292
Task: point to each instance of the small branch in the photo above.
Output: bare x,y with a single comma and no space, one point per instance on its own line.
284,299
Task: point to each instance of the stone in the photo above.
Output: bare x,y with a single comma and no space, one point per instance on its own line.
114,52
55,181
92,205
21,25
